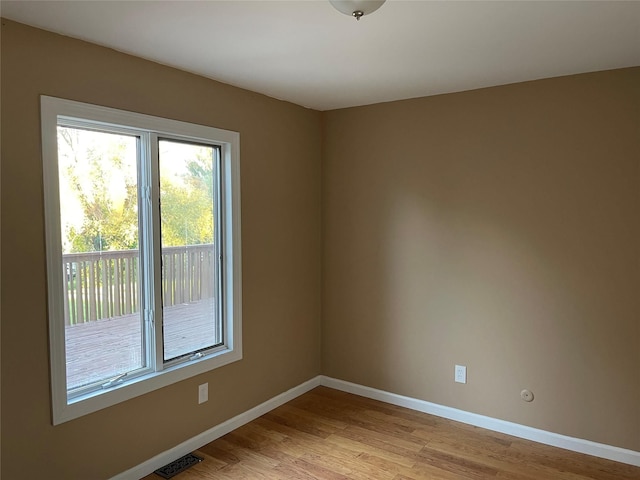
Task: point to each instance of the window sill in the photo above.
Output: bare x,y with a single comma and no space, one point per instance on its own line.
97,400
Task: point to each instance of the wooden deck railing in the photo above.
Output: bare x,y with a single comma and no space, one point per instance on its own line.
106,284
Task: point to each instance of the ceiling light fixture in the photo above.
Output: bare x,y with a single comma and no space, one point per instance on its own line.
357,8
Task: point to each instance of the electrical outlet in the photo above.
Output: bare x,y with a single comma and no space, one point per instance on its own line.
203,393
460,375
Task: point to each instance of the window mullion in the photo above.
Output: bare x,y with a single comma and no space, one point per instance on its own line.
150,249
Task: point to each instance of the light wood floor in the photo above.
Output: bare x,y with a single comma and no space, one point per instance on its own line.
327,434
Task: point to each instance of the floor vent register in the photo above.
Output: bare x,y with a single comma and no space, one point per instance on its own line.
180,465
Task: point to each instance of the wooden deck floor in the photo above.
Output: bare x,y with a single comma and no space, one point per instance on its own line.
327,434
106,348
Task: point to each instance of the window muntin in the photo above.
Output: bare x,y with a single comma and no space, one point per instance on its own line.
152,367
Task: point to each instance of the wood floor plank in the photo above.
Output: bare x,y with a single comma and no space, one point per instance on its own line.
326,434
402,471
351,467
404,457
500,461
380,434
455,464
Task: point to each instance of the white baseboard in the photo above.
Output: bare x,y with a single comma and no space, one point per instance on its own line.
541,436
213,433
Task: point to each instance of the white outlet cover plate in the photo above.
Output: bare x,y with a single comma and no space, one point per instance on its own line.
460,374
203,393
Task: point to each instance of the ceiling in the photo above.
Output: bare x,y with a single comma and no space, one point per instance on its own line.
307,53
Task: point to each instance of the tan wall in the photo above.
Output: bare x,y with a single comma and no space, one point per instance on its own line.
498,229
280,158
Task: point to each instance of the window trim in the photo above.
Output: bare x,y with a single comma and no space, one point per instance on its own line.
51,109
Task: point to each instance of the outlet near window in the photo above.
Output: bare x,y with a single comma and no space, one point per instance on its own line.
203,393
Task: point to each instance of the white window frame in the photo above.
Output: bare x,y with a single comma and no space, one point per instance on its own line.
161,373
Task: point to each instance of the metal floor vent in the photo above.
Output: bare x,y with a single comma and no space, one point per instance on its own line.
179,465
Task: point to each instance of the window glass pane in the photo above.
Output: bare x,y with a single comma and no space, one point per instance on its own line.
101,282
189,270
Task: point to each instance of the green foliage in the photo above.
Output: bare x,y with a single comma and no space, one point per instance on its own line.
186,215
99,197
187,199
96,178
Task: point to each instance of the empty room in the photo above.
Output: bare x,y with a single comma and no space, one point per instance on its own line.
391,240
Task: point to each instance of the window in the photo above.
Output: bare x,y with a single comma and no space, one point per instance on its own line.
143,252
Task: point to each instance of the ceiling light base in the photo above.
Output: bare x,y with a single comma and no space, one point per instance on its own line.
357,8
